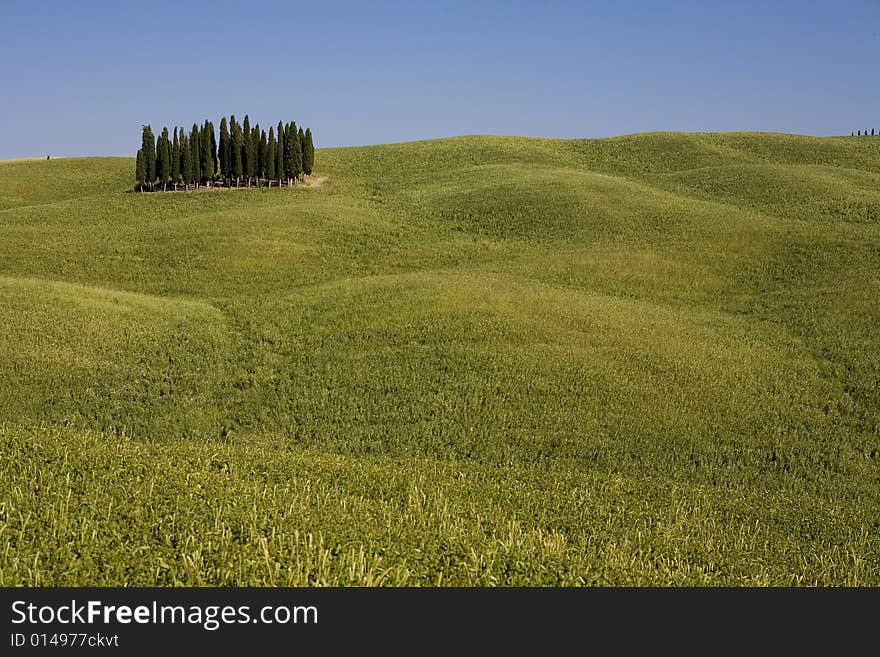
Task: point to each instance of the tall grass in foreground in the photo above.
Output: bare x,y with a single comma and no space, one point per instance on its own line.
80,507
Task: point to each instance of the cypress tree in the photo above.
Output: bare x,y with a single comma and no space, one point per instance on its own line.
185,160
163,160
279,154
181,136
160,164
288,154
153,172
207,142
301,138
224,148
270,156
168,161
196,148
296,151
263,154
253,151
167,141
214,160
140,172
246,166
308,153
237,169
203,152
207,157
175,160
149,147
298,157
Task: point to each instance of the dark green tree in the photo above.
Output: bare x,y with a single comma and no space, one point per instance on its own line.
254,150
308,152
214,158
263,154
270,156
223,154
186,167
237,169
195,146
175,160
289,168
149,147
163,159
207,158
279,155
297,155
247,166
181,136
203,152
140,172
160,164
166,141
301,138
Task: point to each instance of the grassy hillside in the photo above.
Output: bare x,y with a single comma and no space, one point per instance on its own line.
652,359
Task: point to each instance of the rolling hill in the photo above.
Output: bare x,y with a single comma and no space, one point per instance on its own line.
652,360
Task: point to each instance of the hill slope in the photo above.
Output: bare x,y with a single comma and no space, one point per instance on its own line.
481,360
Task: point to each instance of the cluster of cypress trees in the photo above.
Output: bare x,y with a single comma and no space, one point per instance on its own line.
243,155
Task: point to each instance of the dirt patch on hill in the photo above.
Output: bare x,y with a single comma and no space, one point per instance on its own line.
314,181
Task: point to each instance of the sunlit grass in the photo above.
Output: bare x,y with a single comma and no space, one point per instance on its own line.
651,359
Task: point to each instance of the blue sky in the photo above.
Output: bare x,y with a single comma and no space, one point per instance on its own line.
80,78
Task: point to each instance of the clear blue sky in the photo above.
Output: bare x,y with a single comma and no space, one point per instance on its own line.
79,78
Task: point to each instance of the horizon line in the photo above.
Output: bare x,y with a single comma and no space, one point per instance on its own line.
493,135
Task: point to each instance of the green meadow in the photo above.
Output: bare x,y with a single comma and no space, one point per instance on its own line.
645,360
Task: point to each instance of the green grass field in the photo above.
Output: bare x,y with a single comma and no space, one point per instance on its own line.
646,360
